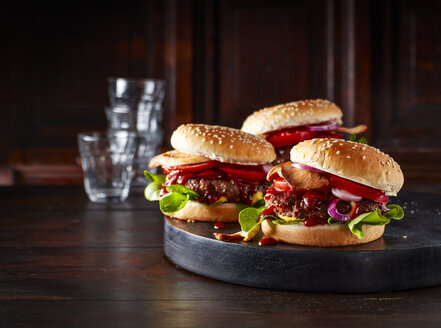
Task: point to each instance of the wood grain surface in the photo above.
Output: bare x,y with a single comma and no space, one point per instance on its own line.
67,262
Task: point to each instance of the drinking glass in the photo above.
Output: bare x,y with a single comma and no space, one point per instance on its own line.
136,106
107,160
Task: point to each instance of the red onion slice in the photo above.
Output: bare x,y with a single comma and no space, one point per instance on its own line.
343,194
335,214
384,208
324,127
305,167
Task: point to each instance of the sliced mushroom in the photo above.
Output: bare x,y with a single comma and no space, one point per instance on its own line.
175,158
241,235
355,130
302,179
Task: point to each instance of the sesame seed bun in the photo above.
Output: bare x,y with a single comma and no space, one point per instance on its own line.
353,161
297,113
222,144
194,211
320,235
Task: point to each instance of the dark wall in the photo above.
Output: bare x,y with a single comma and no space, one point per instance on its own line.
379,60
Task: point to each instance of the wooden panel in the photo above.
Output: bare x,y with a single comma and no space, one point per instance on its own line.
270,52
407,108
67,57
178,65
349,59
58,64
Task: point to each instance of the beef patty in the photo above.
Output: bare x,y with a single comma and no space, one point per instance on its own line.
293,205
234,191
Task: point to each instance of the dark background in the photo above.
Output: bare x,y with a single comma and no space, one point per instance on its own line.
379,60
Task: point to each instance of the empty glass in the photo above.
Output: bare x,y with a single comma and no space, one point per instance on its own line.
107,160
136,106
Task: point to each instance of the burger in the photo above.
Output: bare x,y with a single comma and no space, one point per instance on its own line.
212,173
288,124
332,193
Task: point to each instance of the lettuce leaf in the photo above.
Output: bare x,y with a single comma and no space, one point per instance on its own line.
374,218
182,190
151,192
354,138
177,197
157,181
155,177
173,202
249,218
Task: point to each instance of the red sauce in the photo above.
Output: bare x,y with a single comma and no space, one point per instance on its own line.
267,211
247,190
266,241
219,225
314,221
314,198
209,198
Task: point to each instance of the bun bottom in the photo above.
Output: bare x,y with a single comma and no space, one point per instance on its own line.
321,235
194,211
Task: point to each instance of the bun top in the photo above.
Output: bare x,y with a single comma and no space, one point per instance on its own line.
353,161
297,113
222,144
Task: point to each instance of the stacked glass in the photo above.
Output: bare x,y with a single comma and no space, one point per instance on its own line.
136,108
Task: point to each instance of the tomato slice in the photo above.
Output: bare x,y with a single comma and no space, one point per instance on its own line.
290,137
358,189
281,184
192,168
245,172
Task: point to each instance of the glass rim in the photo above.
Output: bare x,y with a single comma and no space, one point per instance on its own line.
120,109
103,135
136,80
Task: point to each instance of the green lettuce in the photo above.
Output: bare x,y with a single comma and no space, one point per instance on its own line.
155,177
176,198
374,218
354,138
249,218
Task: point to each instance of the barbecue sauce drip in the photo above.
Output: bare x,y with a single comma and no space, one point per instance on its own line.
219,225
266,241
266,212
314,221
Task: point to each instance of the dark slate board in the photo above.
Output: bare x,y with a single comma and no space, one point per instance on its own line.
407,256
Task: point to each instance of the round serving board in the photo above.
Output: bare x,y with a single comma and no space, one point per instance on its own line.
407,256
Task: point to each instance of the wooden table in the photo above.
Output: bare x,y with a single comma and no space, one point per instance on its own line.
65,262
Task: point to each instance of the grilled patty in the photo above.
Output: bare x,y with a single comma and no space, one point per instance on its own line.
233,191
286,204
